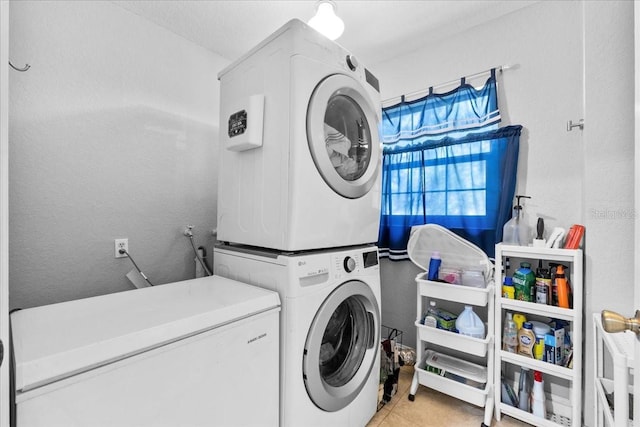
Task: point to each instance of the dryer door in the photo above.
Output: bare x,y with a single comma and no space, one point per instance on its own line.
342,346
342,131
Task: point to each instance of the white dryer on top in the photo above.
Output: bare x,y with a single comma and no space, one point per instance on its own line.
300,152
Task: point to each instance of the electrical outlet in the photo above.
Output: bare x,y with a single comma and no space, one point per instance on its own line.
121,244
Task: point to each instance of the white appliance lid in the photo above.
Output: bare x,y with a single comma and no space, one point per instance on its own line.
59,340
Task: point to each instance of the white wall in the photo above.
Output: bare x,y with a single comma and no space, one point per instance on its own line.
568,53
608,156
113,134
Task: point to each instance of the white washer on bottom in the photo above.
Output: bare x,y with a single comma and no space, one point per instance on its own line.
329,329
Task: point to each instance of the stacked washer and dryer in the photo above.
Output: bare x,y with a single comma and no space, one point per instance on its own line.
298,213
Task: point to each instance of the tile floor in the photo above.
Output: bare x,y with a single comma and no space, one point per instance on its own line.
431,408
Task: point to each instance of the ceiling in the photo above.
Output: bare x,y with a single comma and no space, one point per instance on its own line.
375,30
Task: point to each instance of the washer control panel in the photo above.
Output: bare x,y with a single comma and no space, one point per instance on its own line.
319,268
355,261
349,264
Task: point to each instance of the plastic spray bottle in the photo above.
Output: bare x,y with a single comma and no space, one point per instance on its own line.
538,407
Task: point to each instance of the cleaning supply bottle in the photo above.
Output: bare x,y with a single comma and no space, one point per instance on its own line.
526,339
543,285
554,288
469,323
431,317
519,320
524,390
538,405
562,287
434,266
508,291
517,230
524,282
510,335
540,330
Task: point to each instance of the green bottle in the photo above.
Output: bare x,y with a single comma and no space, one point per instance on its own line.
524,282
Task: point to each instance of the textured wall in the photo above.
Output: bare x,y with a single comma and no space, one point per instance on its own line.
113,133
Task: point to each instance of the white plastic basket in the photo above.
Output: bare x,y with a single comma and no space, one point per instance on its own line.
456,252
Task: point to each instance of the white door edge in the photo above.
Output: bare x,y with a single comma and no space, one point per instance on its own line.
4,211
636,298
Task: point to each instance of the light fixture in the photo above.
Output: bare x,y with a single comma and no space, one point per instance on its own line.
325,21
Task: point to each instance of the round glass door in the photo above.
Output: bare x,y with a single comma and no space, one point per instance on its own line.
341,346
342,130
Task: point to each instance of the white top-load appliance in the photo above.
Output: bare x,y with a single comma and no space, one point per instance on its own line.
194,353
300,153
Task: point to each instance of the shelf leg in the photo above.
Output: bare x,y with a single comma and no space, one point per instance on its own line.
488,409
414,386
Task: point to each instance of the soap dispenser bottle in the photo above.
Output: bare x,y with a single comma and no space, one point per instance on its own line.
517,230
510,230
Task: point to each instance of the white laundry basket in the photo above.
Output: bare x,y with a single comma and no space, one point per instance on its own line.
456,253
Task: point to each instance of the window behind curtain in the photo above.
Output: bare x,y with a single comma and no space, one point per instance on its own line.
446,162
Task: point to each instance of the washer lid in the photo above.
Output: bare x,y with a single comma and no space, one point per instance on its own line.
60,340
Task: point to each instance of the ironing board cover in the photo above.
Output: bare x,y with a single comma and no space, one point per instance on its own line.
455,251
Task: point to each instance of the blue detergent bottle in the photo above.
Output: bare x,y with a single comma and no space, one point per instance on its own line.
434,266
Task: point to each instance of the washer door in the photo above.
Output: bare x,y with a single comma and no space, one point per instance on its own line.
341,346
342,131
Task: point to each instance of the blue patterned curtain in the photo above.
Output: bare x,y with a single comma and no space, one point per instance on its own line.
445,161
455,113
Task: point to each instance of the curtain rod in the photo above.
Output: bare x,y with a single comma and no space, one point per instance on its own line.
424,92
